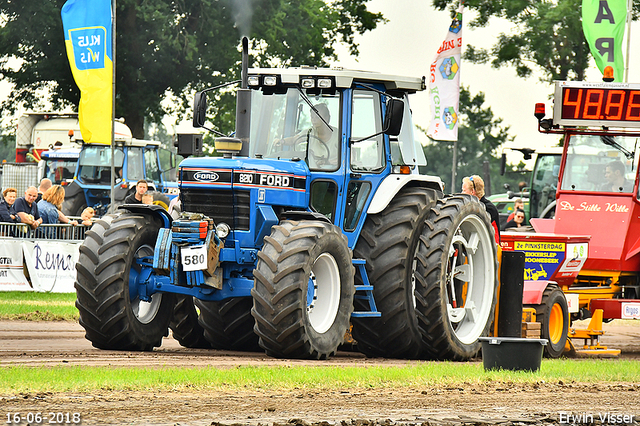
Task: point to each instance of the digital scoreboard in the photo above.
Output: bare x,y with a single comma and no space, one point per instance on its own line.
578,103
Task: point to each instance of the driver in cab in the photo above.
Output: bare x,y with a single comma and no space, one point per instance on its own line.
321,139
615,180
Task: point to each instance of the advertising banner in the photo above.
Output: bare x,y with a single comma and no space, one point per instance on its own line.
11,267
51,265
603,23
444,85
87,34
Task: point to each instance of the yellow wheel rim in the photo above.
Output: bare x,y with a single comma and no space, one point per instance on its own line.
161,204
556,323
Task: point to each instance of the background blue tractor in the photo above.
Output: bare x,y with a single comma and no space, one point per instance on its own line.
315,219
135,159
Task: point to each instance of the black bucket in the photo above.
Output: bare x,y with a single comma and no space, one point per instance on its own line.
512,353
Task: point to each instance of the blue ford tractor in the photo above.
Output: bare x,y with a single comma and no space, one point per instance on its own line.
316,219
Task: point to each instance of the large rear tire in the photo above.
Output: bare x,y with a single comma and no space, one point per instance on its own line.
388,243
228,324
456,278
303,290
112,311
74,206
553,315
184,324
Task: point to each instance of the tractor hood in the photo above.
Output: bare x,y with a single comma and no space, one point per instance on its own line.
275,182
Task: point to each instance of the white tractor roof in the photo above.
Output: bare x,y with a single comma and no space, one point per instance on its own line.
344,78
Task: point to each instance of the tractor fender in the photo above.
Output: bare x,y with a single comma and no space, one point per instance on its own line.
150,209
532,291
392,184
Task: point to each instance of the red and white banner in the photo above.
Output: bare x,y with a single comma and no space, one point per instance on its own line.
444,84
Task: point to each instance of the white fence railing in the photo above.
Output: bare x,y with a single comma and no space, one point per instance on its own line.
61,232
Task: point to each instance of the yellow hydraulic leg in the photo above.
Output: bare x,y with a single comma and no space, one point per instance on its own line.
591,336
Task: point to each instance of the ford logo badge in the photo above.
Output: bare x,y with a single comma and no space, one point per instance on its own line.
206,176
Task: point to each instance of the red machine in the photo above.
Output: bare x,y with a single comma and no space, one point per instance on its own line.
597,220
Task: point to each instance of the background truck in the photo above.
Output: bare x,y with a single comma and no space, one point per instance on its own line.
597,201
289,237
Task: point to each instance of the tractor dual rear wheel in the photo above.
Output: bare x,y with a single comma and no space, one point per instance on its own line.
456,278
112,311
388,243
184,324
303,290
228,324
432,263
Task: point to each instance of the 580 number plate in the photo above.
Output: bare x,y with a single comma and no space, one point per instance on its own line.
194,258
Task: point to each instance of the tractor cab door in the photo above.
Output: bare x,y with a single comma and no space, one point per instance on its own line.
366,159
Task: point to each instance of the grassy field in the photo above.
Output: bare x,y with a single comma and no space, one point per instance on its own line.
420,373
42,306
19,305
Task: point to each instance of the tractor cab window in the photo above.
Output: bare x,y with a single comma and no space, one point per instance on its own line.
367,153
60,170
151,168
135,172
405,148
544,183
600,164
283,125
95,164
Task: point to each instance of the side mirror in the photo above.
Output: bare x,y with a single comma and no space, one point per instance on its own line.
503,164
199,109
393,117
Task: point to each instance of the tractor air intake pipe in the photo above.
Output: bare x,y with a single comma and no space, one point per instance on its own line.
243,102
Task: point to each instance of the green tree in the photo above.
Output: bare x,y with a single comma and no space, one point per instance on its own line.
7,145
479,136
548,36
171,47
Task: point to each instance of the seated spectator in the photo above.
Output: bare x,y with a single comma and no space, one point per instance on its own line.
87,216
50,205
147,198
136,198
6,205
517,221
27,209
518,204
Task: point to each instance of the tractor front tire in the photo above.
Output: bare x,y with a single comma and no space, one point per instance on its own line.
456,278
228,324
553,315
184,324
303,290
388,243
112,312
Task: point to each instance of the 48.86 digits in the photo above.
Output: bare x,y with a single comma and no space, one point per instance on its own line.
46,418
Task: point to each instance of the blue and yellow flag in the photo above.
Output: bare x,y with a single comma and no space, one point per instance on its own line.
87,34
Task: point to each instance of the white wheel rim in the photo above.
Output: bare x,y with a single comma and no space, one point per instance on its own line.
325,277
470,279
144,311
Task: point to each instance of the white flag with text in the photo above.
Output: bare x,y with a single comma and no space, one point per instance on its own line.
444,84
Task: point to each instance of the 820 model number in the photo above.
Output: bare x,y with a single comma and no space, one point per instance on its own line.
39,418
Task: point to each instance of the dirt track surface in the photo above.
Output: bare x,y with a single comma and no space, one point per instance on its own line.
63,343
